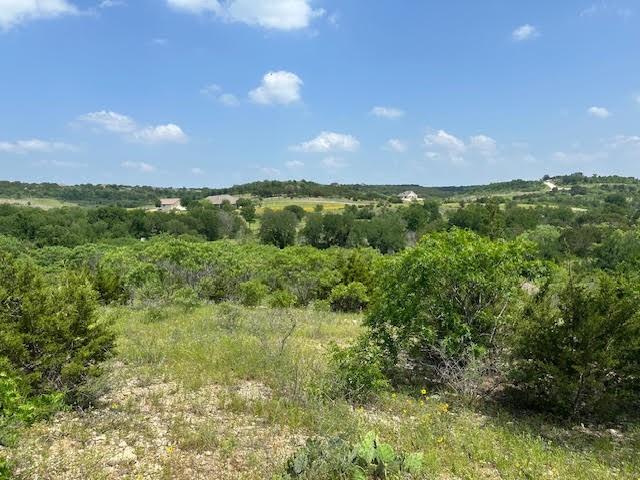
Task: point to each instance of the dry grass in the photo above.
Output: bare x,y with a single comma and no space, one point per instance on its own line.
222,392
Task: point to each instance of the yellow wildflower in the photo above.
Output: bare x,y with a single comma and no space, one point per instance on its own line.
423,391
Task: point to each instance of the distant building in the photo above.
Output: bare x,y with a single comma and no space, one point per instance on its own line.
409,196
220,199
169,204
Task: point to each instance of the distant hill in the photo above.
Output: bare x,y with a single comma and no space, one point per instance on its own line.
136,196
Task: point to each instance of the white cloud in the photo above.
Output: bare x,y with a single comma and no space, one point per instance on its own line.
110,121
159,42
268,14
396,145
139,166
334,163
294,164
443,144
170,133
486,146
445,141
329,142
196,6
197,171
624,141
274,14
34,146
599,112
605,7
636,97
15,12
122,124
277,88
525,32
111,3
387,112
215,92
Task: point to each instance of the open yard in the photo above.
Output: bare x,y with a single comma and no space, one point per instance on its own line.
328,204
45,203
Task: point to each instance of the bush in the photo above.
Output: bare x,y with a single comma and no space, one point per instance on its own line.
349,298
282,299
251,293
577,351
50,338
335,458
17,410
357,371
186,298
454,292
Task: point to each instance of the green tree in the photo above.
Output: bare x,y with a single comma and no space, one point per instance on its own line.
278,228
578,347
453,292
50,336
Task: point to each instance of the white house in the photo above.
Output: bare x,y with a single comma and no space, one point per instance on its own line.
169,204
409,196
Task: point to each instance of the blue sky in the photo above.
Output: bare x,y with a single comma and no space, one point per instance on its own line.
219,92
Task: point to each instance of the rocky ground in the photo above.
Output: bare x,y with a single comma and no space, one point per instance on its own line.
155,430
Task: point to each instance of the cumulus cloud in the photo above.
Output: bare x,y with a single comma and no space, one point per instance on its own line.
329,142
486,146
443,144
599,112
446,141
269,14
110,121
170,133
387,112
34,146
525,32
127,127
139,166
16,12
396,145
277,88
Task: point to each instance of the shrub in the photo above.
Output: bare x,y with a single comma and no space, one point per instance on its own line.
186,298
17,410
50,338
335,458
282,299
578,348
454,292
251,293
357,371
349,298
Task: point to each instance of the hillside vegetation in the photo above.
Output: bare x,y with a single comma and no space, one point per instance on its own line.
492,335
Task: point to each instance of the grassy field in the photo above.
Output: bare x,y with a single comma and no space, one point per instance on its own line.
45,203
229,392
328,204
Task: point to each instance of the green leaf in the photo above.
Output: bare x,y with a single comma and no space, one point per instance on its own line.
413,462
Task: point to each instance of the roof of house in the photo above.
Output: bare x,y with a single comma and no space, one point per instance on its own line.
219,199
408,193
169,201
